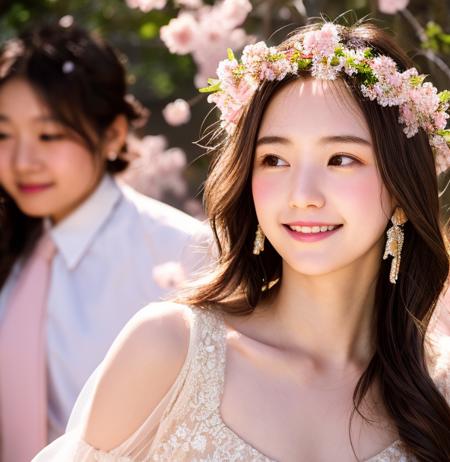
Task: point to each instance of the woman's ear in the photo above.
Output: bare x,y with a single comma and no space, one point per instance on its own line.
115,137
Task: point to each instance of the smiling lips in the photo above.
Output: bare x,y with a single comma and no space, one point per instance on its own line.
310,232
30,188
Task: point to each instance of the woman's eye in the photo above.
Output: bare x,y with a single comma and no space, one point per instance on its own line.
3,136
271,160
342,160
51,136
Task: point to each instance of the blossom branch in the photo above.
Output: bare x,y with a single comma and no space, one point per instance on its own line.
421,34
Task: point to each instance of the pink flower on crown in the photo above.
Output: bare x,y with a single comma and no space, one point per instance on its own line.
390,88
440,120
277,69
425,98
324,70
321,42
408,118
226,72
238,86
229,107
420,109
253,56
351,59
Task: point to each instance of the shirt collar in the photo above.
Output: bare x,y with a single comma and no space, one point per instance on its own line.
74,234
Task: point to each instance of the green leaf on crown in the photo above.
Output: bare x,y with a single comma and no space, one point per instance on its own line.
368,53
417,80
334,61
304,63
213,86
230,54
444,96
445,134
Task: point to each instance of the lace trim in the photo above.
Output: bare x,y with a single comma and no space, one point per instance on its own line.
195,430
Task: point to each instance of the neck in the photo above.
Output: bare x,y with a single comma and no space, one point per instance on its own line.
329,316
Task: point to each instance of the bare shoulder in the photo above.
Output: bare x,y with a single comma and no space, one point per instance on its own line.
139,369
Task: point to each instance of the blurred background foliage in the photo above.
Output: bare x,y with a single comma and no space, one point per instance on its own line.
158,77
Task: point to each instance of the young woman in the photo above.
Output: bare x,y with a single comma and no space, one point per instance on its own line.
315,340
64,117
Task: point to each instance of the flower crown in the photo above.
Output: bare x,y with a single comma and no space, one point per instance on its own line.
322,53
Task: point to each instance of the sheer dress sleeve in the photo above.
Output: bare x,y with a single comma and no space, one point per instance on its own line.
71,447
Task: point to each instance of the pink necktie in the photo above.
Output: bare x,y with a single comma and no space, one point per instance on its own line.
23,375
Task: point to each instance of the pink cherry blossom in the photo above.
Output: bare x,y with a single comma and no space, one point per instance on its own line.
155,170
147,5
180,34
173,159
392,6
66,21
234,12
169,275
177,113
206,32
193,4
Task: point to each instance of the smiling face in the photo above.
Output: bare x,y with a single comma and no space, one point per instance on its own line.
44,167
316,188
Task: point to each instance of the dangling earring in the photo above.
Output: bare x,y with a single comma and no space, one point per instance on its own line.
394,243
258,245
112,156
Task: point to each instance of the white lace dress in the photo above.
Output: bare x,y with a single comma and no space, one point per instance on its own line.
187,424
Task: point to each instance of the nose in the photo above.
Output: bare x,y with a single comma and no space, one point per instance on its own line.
24,157
306,189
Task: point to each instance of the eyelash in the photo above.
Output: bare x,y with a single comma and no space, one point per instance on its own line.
45,137
353,159
265,161
50,137
268,160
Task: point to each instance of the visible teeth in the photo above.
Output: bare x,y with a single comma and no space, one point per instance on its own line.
312,229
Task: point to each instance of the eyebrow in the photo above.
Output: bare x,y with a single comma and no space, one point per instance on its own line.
272,140
345,139
349,139
4,118
46,119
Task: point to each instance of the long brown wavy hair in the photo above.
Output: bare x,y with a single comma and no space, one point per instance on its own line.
402,311
86,99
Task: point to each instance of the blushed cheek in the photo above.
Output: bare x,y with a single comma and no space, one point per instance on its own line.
263,189
369,196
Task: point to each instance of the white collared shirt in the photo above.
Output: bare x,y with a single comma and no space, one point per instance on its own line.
102,275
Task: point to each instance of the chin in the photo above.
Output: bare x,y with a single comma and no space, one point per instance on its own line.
34,212
319,264
314,269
